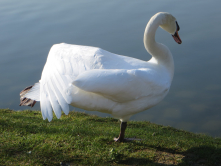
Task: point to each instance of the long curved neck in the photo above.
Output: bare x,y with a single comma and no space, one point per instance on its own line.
161,55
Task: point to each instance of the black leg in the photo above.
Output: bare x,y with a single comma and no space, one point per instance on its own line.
123,127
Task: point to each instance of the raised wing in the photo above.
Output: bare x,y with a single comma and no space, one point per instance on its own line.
120,85
64,63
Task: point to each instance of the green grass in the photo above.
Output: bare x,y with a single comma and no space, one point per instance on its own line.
81,139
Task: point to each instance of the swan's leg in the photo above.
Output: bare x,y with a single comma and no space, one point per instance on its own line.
123,127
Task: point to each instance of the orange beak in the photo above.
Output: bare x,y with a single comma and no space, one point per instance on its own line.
176,37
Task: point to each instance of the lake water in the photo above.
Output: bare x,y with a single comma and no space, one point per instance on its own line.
29,28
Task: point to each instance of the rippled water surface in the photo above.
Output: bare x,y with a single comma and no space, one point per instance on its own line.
29,28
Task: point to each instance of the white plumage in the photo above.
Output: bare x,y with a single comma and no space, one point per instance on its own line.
97,80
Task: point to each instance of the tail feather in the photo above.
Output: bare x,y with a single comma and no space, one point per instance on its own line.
30,95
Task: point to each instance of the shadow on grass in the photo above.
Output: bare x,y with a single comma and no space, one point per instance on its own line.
197,156
202,155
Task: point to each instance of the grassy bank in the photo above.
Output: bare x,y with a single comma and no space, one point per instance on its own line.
81,139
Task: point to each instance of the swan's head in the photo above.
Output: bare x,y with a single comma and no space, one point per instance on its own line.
170,25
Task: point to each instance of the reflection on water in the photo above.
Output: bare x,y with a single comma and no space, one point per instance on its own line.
30,28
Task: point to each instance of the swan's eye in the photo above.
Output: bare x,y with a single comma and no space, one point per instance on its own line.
177,26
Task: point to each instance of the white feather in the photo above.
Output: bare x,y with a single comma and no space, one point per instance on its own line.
34,92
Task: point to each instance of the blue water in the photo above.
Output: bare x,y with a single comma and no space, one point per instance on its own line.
29,28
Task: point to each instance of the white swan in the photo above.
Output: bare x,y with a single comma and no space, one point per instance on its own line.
97,80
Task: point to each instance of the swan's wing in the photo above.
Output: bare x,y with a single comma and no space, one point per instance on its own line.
120,85
64,63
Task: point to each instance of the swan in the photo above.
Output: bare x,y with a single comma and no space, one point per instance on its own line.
97,80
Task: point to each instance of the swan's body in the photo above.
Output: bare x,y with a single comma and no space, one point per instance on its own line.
97,80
